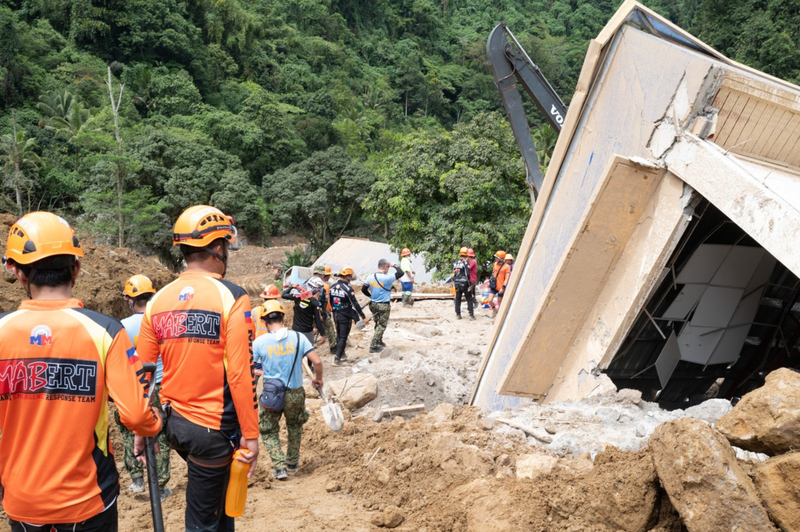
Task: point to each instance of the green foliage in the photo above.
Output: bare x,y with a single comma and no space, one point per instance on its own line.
299,256
292,114
441,191
320,195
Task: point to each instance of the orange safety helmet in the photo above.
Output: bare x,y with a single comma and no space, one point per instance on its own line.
200,225
463,252
269,307
345,271
405,253
509,257
138,285
500,255
39,235
270,292
470,252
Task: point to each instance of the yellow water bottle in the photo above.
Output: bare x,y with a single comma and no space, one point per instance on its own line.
237,486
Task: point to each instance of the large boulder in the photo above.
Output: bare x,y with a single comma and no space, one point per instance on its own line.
698,469
767,420
355,391
777,484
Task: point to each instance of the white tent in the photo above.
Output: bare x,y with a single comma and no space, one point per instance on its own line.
363,255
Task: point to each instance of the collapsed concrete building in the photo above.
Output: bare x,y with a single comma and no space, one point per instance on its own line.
662,252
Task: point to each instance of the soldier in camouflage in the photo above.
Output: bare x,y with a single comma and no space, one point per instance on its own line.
278,354
380,290
133,466
324,273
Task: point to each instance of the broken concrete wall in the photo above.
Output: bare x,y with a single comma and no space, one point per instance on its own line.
617,199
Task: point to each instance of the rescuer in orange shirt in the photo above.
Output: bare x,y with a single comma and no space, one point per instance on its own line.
59,363
270,292
202,327
498,281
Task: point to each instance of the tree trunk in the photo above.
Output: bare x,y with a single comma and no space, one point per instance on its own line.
115,111
120,219
15,154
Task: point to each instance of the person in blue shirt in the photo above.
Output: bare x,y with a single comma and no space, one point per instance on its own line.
138,291
278,354
380,289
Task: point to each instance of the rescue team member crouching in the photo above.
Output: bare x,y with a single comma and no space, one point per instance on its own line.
59,364
137,292
345,310
270,292
201,326
279,355
380,289
324,274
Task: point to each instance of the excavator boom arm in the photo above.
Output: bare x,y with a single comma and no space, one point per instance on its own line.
510,67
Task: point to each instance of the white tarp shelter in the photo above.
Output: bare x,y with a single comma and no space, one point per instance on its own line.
363,255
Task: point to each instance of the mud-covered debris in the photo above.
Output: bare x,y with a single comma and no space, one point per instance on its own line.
776,480
767,420
699,471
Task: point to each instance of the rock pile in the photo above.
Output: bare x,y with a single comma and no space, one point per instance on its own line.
697,464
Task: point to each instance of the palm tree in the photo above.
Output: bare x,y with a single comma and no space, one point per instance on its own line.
544,139
17,153
65,115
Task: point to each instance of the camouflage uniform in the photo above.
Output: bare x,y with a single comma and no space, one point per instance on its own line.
330,332
294,410
380,314
135,468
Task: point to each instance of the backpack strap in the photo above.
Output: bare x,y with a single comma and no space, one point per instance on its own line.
294,362
379,283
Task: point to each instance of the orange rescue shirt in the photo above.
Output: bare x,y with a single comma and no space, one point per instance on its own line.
259,327
58,364
203,328
501,273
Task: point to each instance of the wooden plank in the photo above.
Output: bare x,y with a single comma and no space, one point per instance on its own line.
733,108
771,123
417,296
745,124
789,134
409,409
530,431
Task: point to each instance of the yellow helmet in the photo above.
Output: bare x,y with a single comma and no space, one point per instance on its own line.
347,270
270,306
463,252
39,235
138,285
200,225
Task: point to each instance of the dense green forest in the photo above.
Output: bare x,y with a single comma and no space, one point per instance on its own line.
373,118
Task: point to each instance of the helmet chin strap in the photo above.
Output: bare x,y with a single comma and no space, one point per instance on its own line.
222,258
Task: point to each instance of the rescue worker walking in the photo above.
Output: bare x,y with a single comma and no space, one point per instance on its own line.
473,275
380,289
346,309
270,292
324,274
306,308
407,280
279,355
201,326
498,281
461,282
62,362
137,292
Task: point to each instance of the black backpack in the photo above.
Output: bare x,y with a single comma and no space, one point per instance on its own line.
461,272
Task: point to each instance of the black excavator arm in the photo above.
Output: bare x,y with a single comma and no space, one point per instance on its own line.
511,66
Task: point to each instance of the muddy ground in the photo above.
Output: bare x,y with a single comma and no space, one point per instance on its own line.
586,468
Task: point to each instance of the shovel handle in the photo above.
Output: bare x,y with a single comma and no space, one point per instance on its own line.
150,452
312,377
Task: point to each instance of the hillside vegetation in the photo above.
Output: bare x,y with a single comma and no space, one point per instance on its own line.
373,118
